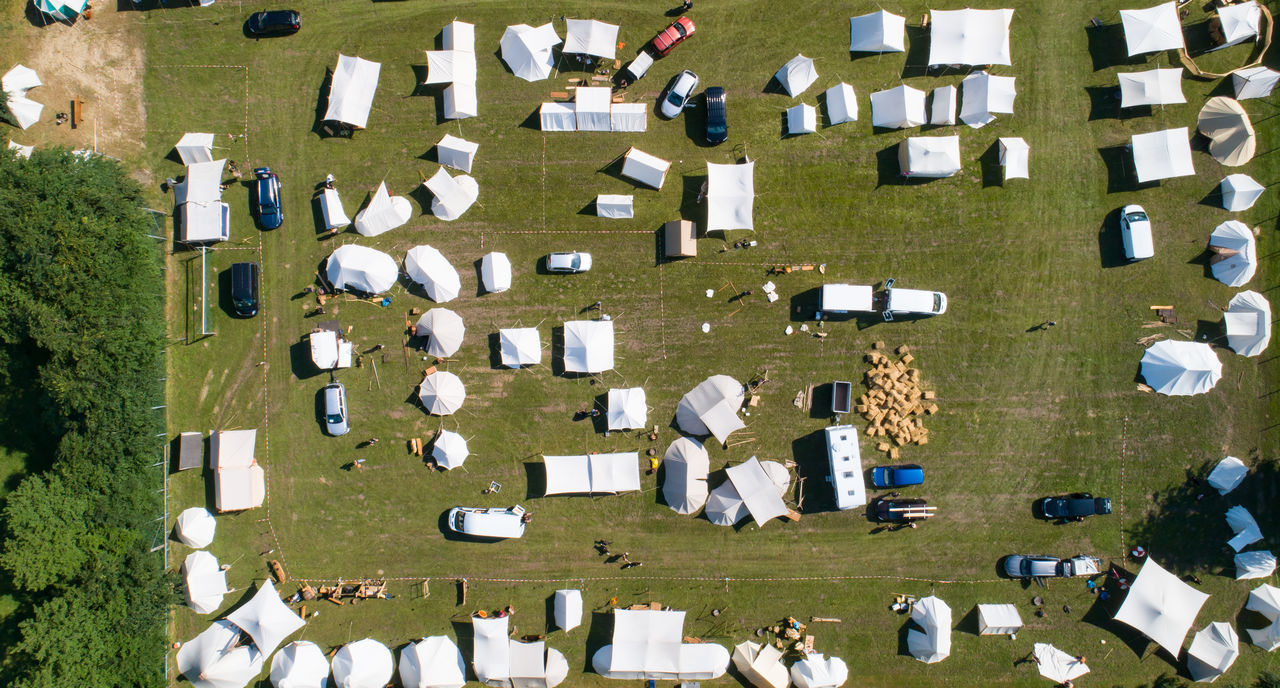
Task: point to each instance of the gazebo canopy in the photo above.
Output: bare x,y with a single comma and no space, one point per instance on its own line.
588,346
1152,29
969,37
1160,606
731,195
519,347
627,409
1152,87
591,37
1162,154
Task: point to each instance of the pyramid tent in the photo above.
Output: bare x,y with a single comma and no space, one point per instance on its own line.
645,169
933,643
457,153
684,485
998,619
434,662
567,609
335,216
206,582
195,527
1235,258
1232,140
761,665
816,671
731,193
24,110
1152,87
1160,606
428,267
495,272
444,330
1152,29
1177,368
1162,154
647,645
725,506
449,450
1056,665
1239,22
615,206
1240,192
363,664
360,268
527,51
627,409
1255,564
842,104
591,37
712,408
982,95
969,37
193,148
878,32
898,108
802,119
300,664
1248,322
1265,600
1014,153
1254,82
266,619
797,75
384,213
519,347
441,393
15,83
588,346
942,110
929,156
1226,476
1244,526
351,90
452,196
214,660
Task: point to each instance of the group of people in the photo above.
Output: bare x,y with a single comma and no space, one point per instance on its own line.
602,548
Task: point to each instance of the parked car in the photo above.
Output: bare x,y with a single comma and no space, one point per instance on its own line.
1074,506
1041,566
901,510
672,36
571,262
912,302
717,122
487,524
244,289
335,409
897,476
1135,233
678,94
891,302
273,23
267,198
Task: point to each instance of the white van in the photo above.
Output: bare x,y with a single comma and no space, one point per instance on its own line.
491,524
891,302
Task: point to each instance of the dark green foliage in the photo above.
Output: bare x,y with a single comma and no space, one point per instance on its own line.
5,115
1267,679
81,342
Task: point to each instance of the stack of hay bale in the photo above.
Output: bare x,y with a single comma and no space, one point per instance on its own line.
894,405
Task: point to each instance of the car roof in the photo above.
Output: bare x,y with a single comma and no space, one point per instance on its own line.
913,300
490,522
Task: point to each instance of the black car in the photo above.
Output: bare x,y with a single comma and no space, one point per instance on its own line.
244,289
274,23
1075,506
267,198
717,122
901,510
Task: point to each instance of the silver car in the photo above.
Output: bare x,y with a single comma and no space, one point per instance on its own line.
335,409
678,95
1041,566
571,262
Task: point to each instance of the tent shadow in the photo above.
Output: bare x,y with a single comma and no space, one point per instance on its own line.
1110,245
599,634
889,171
1101,615
691,187
466,635
535,474
804,306
1107,47
495,351
992,170
322,105
774,87
423,197
969,623
534,120
300,362
1104,103
1213,199
904,650
432,154
590,209
614,169
1203,259
1197,38
810,455
1117,160
477,265
419,76
600,423
916,62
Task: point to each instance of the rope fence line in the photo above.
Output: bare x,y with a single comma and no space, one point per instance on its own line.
573,231
668,579
1124,455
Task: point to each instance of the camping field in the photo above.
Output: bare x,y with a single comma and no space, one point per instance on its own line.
1024,412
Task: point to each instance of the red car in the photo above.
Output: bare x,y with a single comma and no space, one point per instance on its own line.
674,35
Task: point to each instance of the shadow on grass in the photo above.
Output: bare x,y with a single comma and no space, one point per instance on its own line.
1110,245
690,198
599,634
1120,174
1107,47
813,473
992,170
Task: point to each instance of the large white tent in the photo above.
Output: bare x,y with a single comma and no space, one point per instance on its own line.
615,206
816,671
1160,606
360,268
588,346
300,664
933,642
1244,526
1265,600
239,483
878,32
1240,22
592,473
195,527
627,409
725,506
591,37
1259,564
982,95
527,50
558,117
1248,321
802,119
1152,87
842,104
929,156
1014,154
193,148
797,75
1056,665
519,347
761,665
202,216
1240,192
351,90
1227,475
449,450
457,153
214,660
731,192
1152,29
433,662
1162,154
1232,140
444,330
495,272
566,608
684,485
1235,258
504,663
901,107
942,110
712,408
441,393
1254,82
206,582
647,645
335,216
644,168
758,491
491,650
364,663
427,266
456,66
15,83
1178,368
969,37
629,117
998,619
591,108
266,619
384,213
451,196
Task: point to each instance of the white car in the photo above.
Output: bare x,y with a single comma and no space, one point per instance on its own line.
487,524
913,302
573,261
1135,232
678,94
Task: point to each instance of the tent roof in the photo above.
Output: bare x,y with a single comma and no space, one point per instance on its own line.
1160,606
1177,368
757,490
1254,82
335,216
364,663
730,196
1240,22
453,196
646,169
1240,192
761,665
1152,87
878,32
1056,665
1248,321
797,75
361,268
969,37
231,448
444,330
427,266
591,108
628,117
712,407
627,409
588,346
491,649
193,148
816,671
592,473
1213,650
457,153
983,94
1234,270
207,662
934,643
450,449
300,664
1014,152
558,117
802,119
434,662
901,107
567,609
616,206
1232,140
266,618
1258,564
195,527
384,213
527,50
351,90
21,78
725,506
929,156
591,37
1152,29
998,617
1226,476
206,582
237,489
842,104
441,393
495,272
1162,154
647,645
203,183
519,346
943,108
1244,526
684,485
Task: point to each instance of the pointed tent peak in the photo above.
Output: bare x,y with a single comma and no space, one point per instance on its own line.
877,32
384,213
449,450
1152,29
195,527
1254,82
1161,606
1177,368
1248,322
442,393
1240,192
797,75
444,330
266,618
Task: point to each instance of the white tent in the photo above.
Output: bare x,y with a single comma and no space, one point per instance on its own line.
206,582
1152,87
441,393
592,473
934,643
969,37
628,117
434,662
1254,82
982,95
335,217
842,104
797,75
444,330
505,663
384,213
878,32
731,192
1244,526
495,272
1248,322
998,619
929,156
300,664
427,266
491,650
816,671
15,83
647,645
898,108
712,408
757,490
361,268
24,110
1160,606
193,148
202,216
537,666
364,663
1056,665
645,169
761,665
1179,368
1232,140
195,527
452,196
627,409
590,37
591,108
266,618
1240,22
21,78
457,153
1236,253
558,117
588,346
1152,29
449,450
567,609
351,91
1255,564
456,66
212,660
1162,154
725,506
943,108
21,150
616,206
1213,650
802,119
519,347
684,486
1265,600
238,481
1226,476
527,51
1014,152
1240,192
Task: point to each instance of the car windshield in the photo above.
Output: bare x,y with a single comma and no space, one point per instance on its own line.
575,262
334,418
1137,217
937,302
674,97
458,520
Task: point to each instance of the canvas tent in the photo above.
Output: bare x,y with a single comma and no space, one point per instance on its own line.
591,108
797,75
364,663
527,51
761,665
1226,476
842,104
505,663
239,483
1056,665
816,671
1255,565
1161,154
998,619
757,490
384,213
63,10
202,216
588,346
193,148
712,408
558,117
444,330
628,117
933,642
943,108
16,83
615,206
1160,606
351,90
1240,192
647,645
362,269
725,506
1239,23
195,527
969,37
329,351
801,119
592,473
982,95
1152,29
878,32
1265,600
1176,368
213,660
680,239
1244,526
266,619
434,662
1152,87
685,467
519,347
1254,82
929,156
452,196
495,272
1248,322
449,450
457,153
1232,140
627,409
300,664
427,266
1235,258
456,66
731,193
591,37
1014,152
567,609
335,217
441,393
645,169
491,650
901,107
205,581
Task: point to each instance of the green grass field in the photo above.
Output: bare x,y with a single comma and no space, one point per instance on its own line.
1023,413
